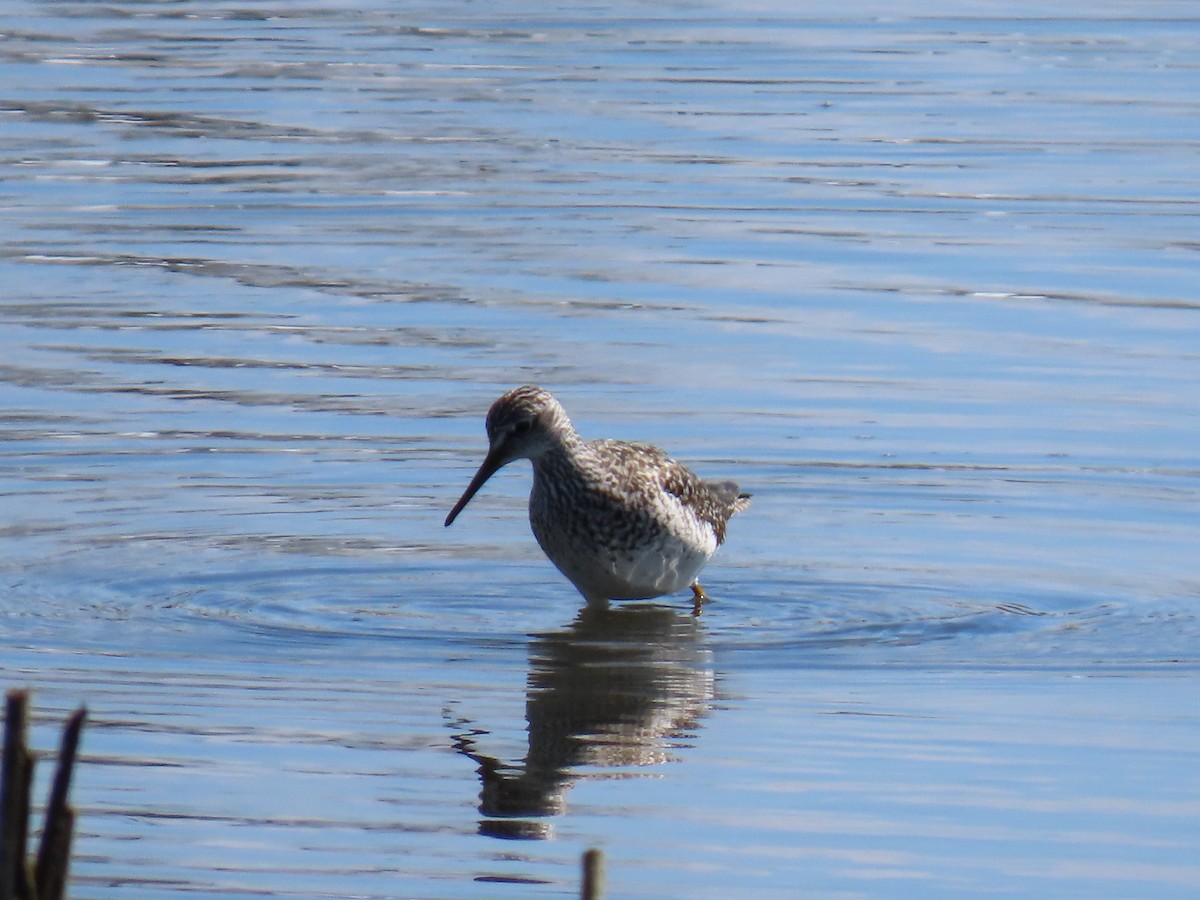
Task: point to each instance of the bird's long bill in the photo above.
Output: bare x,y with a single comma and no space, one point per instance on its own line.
487,469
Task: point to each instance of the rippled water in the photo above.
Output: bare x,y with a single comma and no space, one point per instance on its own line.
921,279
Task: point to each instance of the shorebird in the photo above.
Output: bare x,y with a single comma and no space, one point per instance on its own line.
621,521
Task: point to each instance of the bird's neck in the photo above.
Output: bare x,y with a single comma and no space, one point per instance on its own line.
564,457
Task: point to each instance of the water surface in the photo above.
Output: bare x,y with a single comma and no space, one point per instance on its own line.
921,280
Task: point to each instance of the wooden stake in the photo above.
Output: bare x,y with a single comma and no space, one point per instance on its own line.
593,875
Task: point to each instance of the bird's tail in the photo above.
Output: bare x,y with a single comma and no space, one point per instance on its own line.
728,492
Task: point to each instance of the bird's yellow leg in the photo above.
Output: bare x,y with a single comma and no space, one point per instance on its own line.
699,598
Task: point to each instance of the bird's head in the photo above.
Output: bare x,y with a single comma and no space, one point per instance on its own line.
523,424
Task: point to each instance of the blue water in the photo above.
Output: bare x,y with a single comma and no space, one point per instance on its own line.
923,280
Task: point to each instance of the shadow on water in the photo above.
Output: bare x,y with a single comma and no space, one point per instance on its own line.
616,688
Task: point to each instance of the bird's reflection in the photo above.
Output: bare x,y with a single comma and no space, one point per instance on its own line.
613,689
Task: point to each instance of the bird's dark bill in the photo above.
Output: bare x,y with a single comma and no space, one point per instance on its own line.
487,469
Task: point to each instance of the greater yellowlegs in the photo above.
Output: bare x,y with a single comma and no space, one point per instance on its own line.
622,521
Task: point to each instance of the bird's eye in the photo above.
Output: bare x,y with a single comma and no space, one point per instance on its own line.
522,427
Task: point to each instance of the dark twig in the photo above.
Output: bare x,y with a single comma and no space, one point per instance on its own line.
15,780
48,878
54,854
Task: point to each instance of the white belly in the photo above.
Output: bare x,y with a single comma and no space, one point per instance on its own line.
664,565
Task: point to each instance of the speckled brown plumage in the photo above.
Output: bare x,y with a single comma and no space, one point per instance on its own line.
620,520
